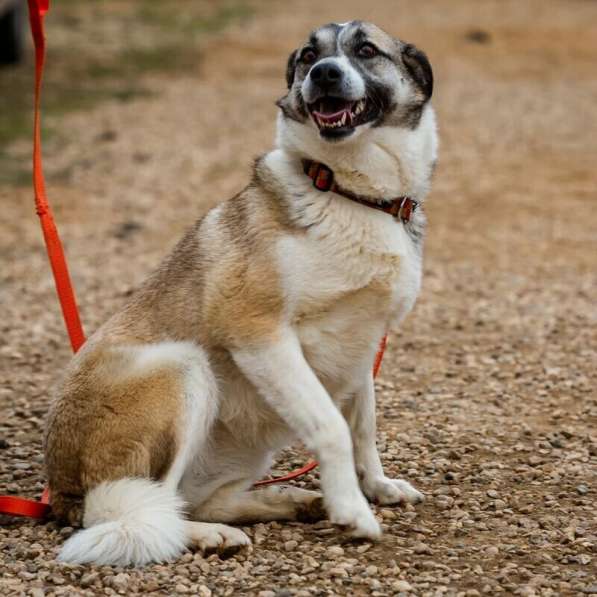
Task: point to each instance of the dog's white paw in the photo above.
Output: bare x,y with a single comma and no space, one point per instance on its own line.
220,538
387,491
355,514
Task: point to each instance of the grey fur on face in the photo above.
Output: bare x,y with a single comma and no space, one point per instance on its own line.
355,75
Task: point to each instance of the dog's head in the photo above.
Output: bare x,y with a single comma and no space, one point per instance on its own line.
354,77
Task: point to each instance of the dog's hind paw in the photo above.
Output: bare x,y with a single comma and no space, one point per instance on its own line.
312,511
217,538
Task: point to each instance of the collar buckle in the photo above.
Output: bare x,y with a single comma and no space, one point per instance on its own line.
406,206
401,208
321,175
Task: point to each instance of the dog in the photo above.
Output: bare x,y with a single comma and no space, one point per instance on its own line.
260,328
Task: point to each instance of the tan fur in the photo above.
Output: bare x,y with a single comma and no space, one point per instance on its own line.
211,289
137,417
238,307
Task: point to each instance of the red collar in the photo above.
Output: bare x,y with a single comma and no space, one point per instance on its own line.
400,208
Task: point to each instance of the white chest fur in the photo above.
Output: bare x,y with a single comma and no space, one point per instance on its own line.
352,273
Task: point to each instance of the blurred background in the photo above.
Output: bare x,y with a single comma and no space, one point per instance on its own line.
153,111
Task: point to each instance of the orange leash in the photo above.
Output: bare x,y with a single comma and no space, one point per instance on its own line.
66,295
13,505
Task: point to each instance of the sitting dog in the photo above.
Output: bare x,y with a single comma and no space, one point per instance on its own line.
261,327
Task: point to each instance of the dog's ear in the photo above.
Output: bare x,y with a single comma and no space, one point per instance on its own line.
419,68
290,68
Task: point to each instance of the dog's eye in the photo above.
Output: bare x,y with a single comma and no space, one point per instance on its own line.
367,50
308,56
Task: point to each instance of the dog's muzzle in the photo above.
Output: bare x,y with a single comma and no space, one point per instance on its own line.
336,99
327,76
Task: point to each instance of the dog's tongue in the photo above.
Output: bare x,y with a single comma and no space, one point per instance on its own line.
332,110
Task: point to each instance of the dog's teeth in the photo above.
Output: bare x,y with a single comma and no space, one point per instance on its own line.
332,124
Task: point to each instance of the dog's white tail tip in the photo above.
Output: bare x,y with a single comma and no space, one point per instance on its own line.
129,521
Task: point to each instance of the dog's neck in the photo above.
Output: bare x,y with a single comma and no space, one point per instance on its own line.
381,162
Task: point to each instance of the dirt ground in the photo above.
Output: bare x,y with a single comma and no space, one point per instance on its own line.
487,394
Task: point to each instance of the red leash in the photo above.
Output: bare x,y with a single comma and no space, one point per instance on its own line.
13,505
66,295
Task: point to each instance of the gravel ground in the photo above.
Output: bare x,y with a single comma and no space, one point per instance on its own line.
487,394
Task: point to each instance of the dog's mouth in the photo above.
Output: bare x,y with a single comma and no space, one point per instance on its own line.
336,117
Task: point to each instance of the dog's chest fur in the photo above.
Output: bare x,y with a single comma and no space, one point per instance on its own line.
351,274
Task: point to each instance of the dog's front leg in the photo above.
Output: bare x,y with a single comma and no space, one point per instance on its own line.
376,486
285,380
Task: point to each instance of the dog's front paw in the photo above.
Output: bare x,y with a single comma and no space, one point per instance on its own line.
355,514
385,491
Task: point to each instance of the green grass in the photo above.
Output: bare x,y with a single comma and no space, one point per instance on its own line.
150,36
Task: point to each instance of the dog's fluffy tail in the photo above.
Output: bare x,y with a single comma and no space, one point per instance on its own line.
130,521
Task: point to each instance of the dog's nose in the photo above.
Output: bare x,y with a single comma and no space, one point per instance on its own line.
326,75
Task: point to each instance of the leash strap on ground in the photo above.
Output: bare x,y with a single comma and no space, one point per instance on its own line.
12,505
16,506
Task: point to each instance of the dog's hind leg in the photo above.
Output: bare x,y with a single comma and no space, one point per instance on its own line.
120,437
201,403
262,505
